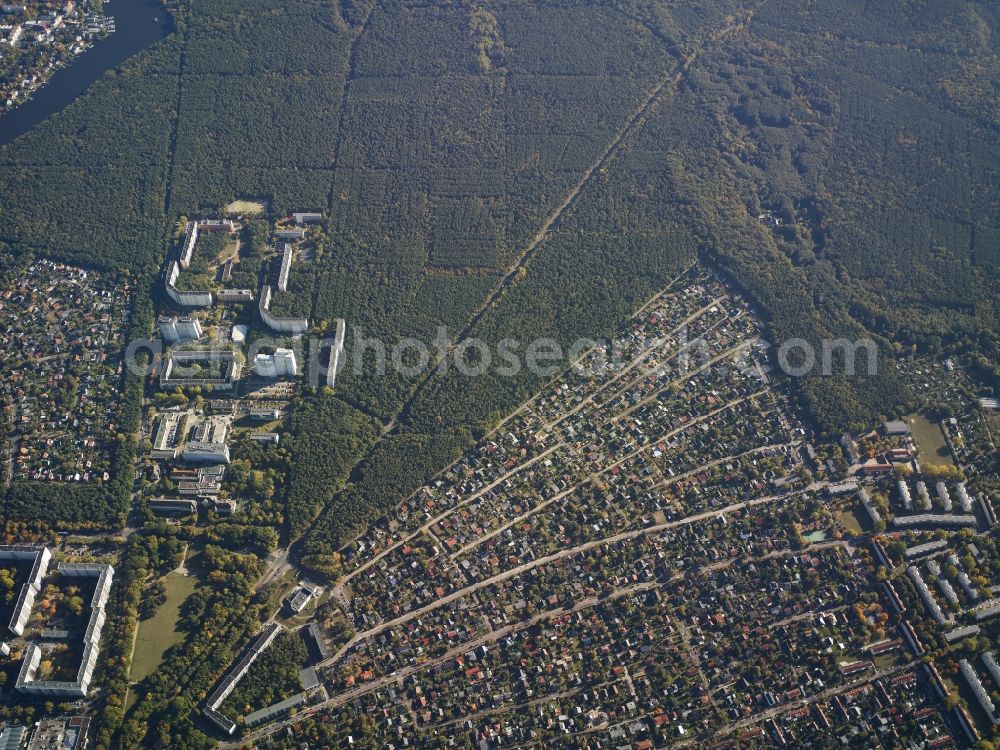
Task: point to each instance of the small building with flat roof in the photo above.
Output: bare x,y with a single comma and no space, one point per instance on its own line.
896,427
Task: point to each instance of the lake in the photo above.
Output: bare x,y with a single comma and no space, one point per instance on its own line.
135,30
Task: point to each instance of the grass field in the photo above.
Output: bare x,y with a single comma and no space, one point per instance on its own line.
246,207
930,441
231,249
993,424
851,520
159,633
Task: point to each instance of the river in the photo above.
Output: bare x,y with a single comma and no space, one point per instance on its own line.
135,30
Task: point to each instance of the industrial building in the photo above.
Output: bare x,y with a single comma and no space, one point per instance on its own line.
12,737
198,452
67,733
205,481
170,430
170,505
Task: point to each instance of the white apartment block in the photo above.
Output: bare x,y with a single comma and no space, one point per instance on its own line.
174,329
281,364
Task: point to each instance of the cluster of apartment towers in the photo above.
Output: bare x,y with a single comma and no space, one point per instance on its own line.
41,558
179,329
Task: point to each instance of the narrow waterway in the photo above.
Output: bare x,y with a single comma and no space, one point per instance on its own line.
138,24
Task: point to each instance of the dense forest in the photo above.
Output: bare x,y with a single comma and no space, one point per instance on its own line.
834,161
517,169
777,161
328,438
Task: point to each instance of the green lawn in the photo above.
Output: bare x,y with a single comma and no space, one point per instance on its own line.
851,521
159,633
246,207
930,441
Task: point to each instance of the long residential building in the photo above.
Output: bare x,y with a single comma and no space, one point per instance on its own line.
912,639
963,578
963,631
934,520
904,495
229,370
987,506
200,298
978,690
291,326
190,240
869,506
927,548
992,667
329,373
944,497
963,497
947,591
924,496
41,556
284,267
194,228
987,610
933,608
232,678
78,687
